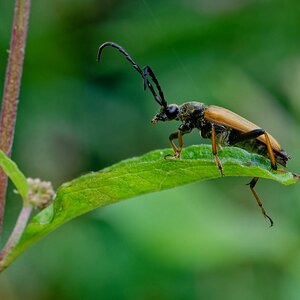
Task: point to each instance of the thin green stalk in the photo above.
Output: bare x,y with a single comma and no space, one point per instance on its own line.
12,88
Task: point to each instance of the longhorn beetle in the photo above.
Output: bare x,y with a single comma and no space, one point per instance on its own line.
219,124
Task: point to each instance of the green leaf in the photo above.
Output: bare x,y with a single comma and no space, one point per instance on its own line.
15,175
140,175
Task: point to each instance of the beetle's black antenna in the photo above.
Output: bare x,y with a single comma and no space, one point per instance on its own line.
148,71
158,98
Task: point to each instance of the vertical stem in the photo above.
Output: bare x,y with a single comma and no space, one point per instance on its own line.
15,236
12,88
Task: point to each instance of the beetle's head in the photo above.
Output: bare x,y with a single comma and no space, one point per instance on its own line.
167,113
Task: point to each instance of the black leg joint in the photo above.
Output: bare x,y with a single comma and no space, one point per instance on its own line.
253,134
253,182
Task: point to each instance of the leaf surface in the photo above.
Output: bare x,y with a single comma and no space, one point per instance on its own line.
140,175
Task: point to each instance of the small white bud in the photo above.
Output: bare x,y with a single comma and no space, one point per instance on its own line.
41,193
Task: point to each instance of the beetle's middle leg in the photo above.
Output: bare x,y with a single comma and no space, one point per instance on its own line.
214,145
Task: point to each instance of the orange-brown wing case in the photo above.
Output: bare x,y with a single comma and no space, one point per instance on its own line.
227,118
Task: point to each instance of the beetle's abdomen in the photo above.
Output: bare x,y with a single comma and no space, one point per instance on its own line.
258,147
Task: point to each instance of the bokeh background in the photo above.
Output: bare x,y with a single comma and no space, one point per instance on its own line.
202,241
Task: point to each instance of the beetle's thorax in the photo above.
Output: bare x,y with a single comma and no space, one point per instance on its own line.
192,113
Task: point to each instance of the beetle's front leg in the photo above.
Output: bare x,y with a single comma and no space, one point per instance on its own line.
176,135
214,149
183,129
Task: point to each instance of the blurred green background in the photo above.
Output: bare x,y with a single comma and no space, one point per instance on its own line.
201,241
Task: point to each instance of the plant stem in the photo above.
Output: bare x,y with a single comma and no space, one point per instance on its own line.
12,88
15,235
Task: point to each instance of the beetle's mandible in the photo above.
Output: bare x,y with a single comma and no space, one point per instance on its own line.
220,125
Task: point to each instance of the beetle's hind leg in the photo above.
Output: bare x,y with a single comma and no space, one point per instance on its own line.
253,134
214,145
252,184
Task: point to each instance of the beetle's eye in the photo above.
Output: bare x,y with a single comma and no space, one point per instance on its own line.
172,111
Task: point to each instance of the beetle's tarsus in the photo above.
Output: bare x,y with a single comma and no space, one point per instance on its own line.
271,221
173,156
